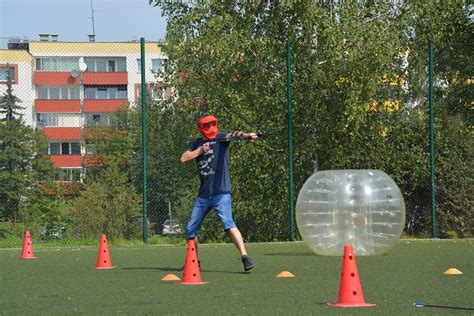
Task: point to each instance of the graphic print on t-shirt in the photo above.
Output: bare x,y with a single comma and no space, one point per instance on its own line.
205,163
213,167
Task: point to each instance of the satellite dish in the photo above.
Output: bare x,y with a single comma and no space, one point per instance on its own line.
82,64
74,73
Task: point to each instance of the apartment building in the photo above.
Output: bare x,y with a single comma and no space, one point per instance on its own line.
67,86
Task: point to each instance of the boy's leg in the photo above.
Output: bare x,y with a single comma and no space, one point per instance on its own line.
200,210
237,239
236,236
222,204
195,244
223,207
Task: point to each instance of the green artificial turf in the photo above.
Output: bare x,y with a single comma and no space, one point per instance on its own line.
65,281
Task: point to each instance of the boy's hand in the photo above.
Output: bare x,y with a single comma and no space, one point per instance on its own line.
251,136
238,134
205,148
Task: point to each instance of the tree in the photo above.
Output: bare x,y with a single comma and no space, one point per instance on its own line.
355,106
110,201
233,55
22,159
449,27
108,205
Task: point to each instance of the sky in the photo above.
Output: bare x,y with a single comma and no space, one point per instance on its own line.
114,20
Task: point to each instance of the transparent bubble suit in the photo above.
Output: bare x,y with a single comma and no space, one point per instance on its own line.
364,208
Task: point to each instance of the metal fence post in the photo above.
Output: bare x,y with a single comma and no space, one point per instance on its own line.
290,143
144,138
432,138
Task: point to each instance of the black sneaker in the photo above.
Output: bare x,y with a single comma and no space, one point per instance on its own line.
248,263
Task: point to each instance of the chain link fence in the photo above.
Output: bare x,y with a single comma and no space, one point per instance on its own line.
69,139
72,131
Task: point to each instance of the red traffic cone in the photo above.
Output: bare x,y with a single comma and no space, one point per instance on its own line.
27,252
191,274
350,290
103,260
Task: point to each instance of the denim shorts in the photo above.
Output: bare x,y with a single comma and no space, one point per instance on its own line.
221,203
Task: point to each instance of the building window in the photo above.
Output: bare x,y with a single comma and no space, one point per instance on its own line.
57,63
106,64
58,120
97,119
42,93
102,93
158,65
54,149
72,174
74,93
8,71
111,65
54,93
91,149
75,148
122,93
64,148
158,93
155,91
105,92
57,93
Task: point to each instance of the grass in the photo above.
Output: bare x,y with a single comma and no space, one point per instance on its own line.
64,281
14,242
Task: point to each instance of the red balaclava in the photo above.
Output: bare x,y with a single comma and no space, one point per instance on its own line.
207,126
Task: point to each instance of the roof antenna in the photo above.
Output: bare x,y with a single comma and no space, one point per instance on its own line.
92,17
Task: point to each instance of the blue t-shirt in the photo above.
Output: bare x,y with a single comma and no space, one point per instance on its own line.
213,167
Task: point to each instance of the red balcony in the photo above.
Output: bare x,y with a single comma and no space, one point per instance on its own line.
66,161
105,78
62,133
105,105
50,78
57,106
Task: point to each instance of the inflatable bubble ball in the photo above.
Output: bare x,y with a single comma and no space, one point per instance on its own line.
364,208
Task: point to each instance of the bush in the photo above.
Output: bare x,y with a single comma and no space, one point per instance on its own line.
107,206
45,215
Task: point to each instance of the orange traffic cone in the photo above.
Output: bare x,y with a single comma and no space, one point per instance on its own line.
350,290
27,252
191,274
103,260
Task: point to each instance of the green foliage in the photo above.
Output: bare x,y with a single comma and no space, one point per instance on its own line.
107,205
112,144
452,235
454,181
17,150
44,213
349,61
22,160
22,165
12,232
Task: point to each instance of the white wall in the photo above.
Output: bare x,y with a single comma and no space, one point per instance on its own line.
23,89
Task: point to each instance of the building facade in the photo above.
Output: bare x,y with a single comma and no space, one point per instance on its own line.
66,86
